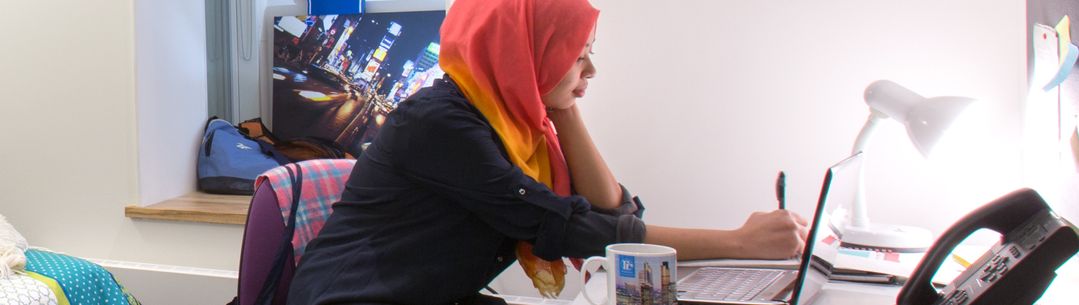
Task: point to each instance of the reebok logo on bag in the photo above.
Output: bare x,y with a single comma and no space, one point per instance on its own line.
229,162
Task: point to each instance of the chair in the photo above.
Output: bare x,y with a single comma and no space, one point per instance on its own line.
270,224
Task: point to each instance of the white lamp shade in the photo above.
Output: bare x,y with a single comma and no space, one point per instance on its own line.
926,119
927,123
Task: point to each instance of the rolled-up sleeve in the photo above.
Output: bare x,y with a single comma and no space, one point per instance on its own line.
455,153
629,205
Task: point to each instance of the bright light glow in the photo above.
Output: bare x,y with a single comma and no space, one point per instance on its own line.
313,95
347,107
278,76
972,160
395,28
292,25
965,140
1041,153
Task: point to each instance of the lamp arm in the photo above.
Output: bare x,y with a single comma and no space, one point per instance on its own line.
870,125
859,213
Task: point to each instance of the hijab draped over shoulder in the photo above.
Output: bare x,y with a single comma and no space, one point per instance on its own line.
504,55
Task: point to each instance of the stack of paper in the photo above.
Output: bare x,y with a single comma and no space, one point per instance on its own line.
874,266
893,267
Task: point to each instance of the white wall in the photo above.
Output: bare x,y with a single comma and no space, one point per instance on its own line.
171,94
80,105
76,100
696,106
68,121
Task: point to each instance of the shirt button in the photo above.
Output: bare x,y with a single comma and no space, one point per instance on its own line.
521,191
499,259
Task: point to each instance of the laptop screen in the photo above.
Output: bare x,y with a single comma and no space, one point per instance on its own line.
840,183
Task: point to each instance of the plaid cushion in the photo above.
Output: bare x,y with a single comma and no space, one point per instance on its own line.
323,182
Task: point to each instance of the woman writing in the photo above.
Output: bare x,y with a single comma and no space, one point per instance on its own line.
491,164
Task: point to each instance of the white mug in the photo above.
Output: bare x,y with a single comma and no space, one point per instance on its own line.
636,274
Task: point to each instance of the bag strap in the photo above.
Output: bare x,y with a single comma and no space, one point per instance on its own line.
208,141
267,145
262,132
271,151
335,150
207,125
269,287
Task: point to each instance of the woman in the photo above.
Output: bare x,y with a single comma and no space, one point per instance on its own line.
469,174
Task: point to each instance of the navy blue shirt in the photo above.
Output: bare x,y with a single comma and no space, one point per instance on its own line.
434,208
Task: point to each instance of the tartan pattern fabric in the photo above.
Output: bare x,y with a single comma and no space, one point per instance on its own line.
323,182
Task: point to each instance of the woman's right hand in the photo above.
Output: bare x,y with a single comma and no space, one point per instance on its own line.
778,234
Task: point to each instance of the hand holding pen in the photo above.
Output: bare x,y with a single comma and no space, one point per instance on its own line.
767,235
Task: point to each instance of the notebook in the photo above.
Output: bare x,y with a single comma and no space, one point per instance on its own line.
732,285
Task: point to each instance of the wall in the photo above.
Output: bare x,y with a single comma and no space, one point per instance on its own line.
696,106
170,100
80,104
68,119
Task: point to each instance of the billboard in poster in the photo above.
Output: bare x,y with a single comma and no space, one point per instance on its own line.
336,77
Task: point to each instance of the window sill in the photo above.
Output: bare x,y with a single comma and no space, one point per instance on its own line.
196,207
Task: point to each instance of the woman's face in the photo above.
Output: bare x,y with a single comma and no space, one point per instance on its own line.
574,84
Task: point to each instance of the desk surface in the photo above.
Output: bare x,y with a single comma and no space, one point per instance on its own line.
835,293
1061,292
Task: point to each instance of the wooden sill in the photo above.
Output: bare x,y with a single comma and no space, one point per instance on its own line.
196,207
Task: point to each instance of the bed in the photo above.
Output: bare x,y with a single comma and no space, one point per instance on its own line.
32,276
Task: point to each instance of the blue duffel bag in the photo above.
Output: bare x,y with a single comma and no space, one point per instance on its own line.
229,161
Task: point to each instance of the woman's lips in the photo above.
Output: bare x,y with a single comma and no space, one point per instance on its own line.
579,92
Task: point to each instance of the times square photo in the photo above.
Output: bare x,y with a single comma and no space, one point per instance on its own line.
336,77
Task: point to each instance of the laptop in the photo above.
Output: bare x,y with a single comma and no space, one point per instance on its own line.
752,286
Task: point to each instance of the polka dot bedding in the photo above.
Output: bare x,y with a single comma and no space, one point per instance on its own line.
83,282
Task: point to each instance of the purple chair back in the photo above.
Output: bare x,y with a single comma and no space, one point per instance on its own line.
262,240
308,190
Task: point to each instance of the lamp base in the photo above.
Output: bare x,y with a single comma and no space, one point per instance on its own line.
886,237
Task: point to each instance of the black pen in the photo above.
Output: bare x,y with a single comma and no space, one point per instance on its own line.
781,190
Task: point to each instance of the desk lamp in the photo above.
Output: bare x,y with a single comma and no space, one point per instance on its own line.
926,119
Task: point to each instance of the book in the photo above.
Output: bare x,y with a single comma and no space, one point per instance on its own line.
882,266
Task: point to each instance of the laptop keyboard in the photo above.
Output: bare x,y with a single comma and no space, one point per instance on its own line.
727,284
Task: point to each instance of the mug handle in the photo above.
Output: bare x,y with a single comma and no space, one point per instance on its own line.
591,265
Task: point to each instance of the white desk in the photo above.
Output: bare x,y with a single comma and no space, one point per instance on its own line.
836,293
1061,292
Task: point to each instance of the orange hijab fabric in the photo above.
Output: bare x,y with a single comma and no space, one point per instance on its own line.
505,54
